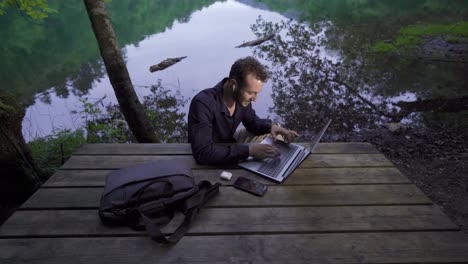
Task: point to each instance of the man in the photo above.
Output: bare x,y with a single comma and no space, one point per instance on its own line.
216,112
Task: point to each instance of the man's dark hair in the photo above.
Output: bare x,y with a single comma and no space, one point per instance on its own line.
245,66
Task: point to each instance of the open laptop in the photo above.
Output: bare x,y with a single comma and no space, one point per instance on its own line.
291,156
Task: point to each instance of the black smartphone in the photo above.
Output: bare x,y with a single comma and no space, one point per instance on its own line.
250,186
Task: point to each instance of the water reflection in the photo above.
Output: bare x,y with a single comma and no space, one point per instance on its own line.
51,66
339,75
61,51
208,39
163,107
309,88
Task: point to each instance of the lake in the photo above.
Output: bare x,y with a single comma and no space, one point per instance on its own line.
347,60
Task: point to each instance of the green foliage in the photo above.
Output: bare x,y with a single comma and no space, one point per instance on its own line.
383,47
36,9
307,88
50,152
457,29
106,124
363,11
100,127
453,40
411,36
61,52
407,41
358,93
163,111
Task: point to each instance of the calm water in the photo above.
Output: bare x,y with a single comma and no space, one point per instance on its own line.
208,39
50,65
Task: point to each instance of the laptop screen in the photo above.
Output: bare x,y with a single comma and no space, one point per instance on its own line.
317,138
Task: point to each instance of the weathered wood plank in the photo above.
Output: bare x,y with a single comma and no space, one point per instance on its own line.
276,196
313,161
302,176
135,149
184,149
241,221
377,175
389,247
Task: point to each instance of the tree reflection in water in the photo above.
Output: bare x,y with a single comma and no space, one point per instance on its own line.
310,87
162,106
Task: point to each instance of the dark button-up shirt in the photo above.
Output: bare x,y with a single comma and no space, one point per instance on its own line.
209,123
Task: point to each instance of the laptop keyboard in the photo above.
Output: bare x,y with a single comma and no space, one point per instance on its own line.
272,167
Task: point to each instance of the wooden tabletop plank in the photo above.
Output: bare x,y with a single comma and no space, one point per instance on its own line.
185,149
211,221
387,247
374,175
135,149
313,161
276,196
347,203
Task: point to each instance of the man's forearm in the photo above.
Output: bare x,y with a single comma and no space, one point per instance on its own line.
259,126
212,154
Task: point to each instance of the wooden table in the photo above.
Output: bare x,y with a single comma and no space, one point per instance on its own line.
345,204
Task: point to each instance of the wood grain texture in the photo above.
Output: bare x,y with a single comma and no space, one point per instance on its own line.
313,161
346,203
185,149
213,221
389,247
276,196
378,175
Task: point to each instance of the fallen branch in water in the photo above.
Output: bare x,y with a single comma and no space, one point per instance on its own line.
438,104
256,42
165,63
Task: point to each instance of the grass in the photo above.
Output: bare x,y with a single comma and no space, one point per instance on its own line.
411,36
453,40
458,29
383,47
50,152
106,124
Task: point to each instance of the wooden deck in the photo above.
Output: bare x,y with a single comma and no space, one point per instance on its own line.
345,204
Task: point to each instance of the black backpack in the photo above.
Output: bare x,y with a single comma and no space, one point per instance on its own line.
147,196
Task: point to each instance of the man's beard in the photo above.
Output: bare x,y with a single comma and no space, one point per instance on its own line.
245,103
237,96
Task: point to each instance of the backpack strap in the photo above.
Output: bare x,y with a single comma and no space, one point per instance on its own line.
191,207
199,199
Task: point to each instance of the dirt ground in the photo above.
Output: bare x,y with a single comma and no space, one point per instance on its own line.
434,159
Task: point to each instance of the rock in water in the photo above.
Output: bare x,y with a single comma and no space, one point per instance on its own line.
395,127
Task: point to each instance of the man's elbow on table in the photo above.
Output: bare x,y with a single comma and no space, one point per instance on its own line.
208,156
204,157
202,160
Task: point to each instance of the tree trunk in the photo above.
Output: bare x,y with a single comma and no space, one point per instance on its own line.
118,74
19,175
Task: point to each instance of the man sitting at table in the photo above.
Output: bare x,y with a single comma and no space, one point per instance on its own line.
215,113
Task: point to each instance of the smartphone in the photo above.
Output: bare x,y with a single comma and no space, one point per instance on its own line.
250,186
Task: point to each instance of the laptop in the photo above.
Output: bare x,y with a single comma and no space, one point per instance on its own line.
291,156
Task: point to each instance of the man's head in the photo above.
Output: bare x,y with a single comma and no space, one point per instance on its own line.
246,79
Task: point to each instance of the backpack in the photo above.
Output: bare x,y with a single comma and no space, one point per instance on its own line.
147,196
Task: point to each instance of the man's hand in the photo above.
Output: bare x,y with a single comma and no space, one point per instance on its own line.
288,135
263,151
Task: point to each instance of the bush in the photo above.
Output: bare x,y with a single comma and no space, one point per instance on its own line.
106,124
52,151
383,47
